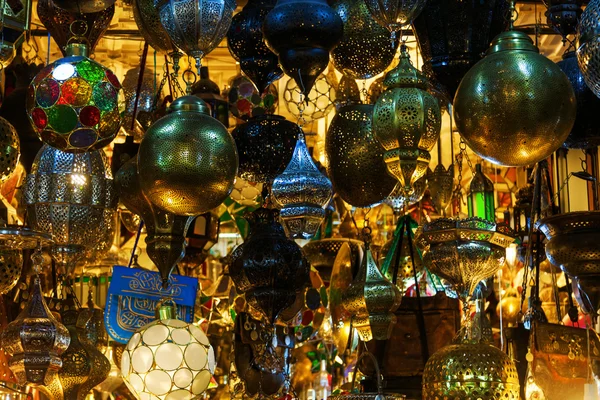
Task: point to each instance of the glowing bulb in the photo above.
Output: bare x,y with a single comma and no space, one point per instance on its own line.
511,255
78,179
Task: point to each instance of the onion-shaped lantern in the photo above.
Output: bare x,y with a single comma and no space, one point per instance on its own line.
187,159
303,192
269,268
588,45
586,132
506,111
165,243
372,299
245,42
449,45
9,149
168,358
364,50
407,122
395,14
265,146
67,196
196,26
302,33
74,27
73,103
356,167
84,6
147,19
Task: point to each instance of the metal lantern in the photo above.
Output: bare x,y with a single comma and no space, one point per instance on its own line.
245,101
265,146
143,102
303,192
9,149
470,371
585,133
168,358
321,254
35,340
394,14
165,243
246,45
372,300
529,119
375,90
480,200
588,45
316,105
407,122
209,91
364,50
398,198
573,244
73,103
464,251
441,186
147,19
355,159
84,6
563,15
67,196
302,33
11,263
196,26
68,27
269,268
347,93
449,44
187,159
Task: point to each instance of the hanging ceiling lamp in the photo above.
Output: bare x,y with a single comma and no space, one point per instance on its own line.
67,196
364,50
355,159
147,19
407,122
246,44
505,110
168,358
9,149
563,16
302,33
441,186
11,263
347,93
319,102
147,101
84,6
196,26
398,199
480,200
73,103
187,159
303,192
588,46
395,14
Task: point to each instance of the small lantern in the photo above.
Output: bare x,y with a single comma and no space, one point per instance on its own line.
480,201
209,91
168,358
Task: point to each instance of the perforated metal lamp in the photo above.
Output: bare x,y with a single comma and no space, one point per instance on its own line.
168,359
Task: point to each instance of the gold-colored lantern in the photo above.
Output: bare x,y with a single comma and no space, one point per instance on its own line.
11,262
506,111
441,185
407,122
9,149
168,358
371,299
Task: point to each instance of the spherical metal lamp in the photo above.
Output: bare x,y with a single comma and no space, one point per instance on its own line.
588,46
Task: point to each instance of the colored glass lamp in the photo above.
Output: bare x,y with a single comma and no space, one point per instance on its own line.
480,201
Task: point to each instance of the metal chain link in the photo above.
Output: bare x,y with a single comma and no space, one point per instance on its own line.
161,85
301,108
178,92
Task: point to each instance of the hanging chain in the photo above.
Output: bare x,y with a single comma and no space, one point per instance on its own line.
178,90
159,90
301,108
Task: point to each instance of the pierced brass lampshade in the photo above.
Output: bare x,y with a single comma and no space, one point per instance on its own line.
9,149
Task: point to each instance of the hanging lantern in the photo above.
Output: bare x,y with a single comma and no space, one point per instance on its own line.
67,197
187,159
371,299
147,19
269,268
480,201
355,159
246,102
585,133
364,50
563,16
246,44
407,122
347,93
73,103
168,358
84,6
147,100
165,241
530,119
201,237
74,27
35,340
449,44
394,14
303,192
317,104
11,263
246,193
588,46
9,149
302,33
196,26
209,91
114,380
265,146
322,253
441,186
398,199
375,90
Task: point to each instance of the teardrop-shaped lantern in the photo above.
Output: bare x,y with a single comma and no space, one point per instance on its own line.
165,243
303,192
302,33
246,44
407,122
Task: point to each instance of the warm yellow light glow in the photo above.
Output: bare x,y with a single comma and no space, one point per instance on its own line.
511,255
78,179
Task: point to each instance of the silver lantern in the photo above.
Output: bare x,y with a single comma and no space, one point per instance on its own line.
68,196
